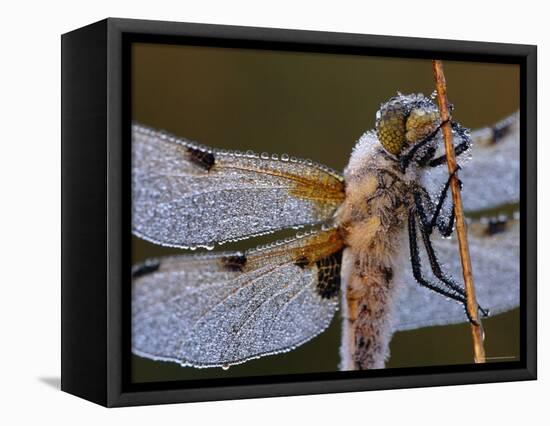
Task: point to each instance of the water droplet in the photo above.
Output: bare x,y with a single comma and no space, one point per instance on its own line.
274,157
209,247
293,159
225,367
264,156
284,157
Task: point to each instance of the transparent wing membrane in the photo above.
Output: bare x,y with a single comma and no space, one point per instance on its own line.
491,178
186,195
226,308
494,250
490,170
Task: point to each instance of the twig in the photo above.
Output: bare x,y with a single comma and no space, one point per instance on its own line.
472,306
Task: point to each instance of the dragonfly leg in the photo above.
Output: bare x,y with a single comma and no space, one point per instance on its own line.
437,270
417,265
445,225
427,157
463,146
406,159
423,202
436,266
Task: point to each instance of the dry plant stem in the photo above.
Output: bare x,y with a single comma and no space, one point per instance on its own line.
476,329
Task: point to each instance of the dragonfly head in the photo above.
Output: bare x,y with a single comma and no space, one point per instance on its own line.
405,120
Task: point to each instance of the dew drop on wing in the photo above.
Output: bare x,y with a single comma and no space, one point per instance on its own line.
225,367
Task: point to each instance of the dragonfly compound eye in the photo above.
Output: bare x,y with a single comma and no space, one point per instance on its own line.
405,120
391,121
421,122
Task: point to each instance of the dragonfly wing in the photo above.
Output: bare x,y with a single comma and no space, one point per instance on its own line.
491,178
490,171
494,250
224,309
186,195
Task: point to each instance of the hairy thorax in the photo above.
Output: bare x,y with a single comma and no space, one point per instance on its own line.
372,221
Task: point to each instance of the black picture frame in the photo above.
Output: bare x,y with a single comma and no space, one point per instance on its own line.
96,211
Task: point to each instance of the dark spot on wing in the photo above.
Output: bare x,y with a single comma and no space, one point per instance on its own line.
500,130
302,262
234,263
146,268
204,159
496,227
328,276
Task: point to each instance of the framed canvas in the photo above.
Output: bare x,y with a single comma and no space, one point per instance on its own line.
252,212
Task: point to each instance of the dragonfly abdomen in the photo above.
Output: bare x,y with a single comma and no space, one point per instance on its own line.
368,293
373,219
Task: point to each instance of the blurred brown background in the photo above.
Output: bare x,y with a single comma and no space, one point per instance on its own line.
313,106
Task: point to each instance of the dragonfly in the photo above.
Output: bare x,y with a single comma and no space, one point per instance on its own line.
376,242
